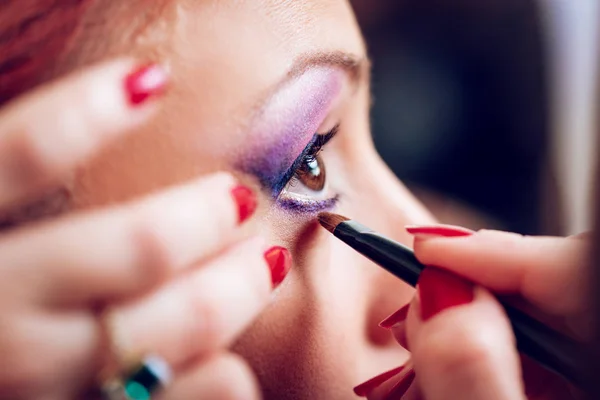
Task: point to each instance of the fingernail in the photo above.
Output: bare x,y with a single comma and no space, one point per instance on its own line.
440,290
246,202
395,318
438,230
401,386
280,262
367,387
145,82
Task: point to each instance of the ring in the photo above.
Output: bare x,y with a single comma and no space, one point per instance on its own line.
150,375
128,376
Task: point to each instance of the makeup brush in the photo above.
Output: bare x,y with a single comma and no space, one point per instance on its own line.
549,348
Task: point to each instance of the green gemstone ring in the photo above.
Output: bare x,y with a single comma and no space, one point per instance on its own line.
149,376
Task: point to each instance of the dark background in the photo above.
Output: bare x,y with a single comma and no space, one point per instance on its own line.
460,107
461,100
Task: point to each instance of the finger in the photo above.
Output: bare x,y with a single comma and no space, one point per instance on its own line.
203,310
198,313
396,323
461,343
223,376
536,267
49,130
45,358
120,251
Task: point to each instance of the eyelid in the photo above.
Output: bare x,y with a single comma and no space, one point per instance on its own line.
322,139
310,206
315,145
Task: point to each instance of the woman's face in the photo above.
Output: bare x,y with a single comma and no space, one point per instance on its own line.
253,82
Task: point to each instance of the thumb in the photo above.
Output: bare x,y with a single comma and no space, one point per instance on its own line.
461,342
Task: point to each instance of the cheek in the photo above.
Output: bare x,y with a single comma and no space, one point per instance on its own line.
297,232
313,321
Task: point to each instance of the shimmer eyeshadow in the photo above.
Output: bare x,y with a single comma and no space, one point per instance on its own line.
288,123
309,206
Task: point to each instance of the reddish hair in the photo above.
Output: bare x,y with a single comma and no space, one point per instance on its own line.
34,35
42,40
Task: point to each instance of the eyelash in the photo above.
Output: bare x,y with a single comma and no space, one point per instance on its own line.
310,153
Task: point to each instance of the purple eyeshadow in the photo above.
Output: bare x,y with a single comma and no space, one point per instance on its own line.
271,167
311,206
287,125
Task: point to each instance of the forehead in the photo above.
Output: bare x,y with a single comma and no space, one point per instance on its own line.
220,47
234,50
224,56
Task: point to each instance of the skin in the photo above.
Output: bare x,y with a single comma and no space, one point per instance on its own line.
219,80
222,59
216,81
317,335
481,356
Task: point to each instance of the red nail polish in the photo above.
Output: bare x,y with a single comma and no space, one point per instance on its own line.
246,202
439,230
395,318
367,387
440,290
145,82
401,386
280,262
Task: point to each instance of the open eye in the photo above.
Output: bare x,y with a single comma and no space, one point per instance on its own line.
312,173
306,190
309,180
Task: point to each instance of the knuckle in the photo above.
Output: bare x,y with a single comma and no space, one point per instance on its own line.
25,369
233,378
209,296
24,160
459,347
206,325
152,255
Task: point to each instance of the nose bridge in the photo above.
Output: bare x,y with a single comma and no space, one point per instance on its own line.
383,202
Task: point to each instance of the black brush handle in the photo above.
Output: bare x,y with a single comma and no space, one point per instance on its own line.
549,348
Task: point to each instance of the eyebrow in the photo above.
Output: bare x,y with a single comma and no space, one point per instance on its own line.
252,160
358,68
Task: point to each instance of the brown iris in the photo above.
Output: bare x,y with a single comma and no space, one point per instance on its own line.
312,173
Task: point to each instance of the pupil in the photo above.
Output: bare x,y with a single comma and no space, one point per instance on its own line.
312,173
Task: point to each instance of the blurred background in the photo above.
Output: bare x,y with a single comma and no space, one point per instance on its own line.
486,109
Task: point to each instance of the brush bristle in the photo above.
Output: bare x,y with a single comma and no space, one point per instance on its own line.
330,221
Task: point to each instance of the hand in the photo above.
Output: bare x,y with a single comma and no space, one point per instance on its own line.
171,268
461,342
